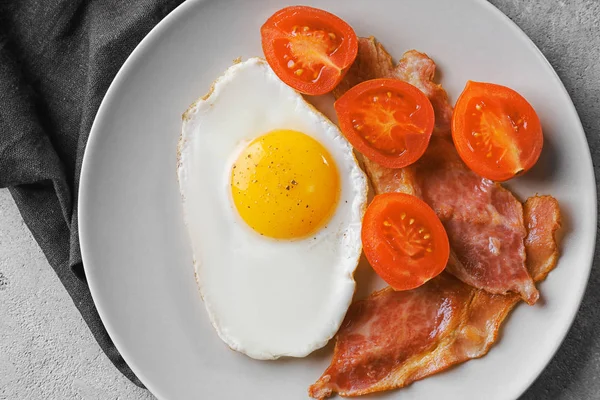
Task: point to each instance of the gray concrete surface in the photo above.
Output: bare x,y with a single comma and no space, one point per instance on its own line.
568,33
46,351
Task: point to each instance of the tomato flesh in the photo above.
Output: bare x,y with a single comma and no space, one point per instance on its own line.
308,48
404,240
387,120
307,52
496,131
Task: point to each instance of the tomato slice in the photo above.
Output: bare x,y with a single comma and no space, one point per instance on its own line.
387,120
308,48
496,131
404,240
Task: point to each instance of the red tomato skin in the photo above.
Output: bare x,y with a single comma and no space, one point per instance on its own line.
401,271
529,145
346,105
344,56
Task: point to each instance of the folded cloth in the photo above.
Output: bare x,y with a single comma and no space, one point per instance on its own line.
57,59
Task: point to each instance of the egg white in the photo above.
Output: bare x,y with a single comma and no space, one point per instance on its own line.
266,298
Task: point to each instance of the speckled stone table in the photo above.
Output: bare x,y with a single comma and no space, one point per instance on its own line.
47,352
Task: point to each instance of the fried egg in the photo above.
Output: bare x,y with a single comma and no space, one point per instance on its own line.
273,200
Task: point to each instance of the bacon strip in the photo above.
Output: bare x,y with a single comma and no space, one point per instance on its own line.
484,221
542,216
392,339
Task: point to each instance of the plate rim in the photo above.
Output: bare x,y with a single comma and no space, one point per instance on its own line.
146,43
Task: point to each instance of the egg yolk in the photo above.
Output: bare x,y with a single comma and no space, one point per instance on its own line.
285,185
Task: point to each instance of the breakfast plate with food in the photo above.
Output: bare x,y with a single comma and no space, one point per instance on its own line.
337,198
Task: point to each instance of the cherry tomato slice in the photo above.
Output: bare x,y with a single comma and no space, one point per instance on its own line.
388,120
497,133
404,240
308,48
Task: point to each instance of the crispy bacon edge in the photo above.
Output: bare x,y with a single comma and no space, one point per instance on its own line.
418,69
481,319
485,312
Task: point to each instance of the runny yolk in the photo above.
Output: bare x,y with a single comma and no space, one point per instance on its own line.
285,185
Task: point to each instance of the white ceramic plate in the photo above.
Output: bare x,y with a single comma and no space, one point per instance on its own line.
134,245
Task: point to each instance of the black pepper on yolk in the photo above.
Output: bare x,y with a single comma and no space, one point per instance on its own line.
285,185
